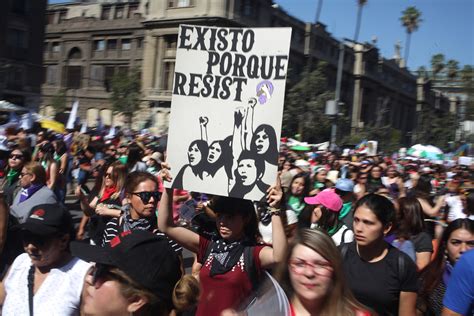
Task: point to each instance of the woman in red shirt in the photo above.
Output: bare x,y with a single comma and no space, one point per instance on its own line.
313,278
228,262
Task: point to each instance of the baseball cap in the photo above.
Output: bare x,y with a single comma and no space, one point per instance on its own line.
346,185
146,258
327,198
47,219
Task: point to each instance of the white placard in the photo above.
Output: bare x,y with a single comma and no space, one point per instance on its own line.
226,109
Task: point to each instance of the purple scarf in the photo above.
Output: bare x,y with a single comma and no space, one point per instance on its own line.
25,194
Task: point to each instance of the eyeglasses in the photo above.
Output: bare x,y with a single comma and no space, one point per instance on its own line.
14,157
108,175
299,266
145,196
24,174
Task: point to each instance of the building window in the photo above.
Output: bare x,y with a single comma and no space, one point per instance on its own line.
247,8
55,47
17,38
50,18
99,45
139,42
111,44
15,78
105,15
97,76
126,44
51,74
62,16
179,3
168,71
131,10
75,53
73,77
108,75
171,41
119,12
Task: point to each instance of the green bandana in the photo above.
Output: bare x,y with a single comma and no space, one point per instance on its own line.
346,208
12,176
295,204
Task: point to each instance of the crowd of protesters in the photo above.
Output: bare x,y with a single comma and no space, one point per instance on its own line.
342,233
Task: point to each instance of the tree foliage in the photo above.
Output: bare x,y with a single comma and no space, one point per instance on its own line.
58,101
411,20
304,107
437,64
436,128
125,92
467,79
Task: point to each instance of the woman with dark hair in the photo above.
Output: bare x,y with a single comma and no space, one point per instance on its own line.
197,158
411,237
374,181
233,261
380,276
469,204
46,279
457,238
134,159
220,152
313,278
10,183
248,177
299,189
264,143
422,191
61,157
393,182
323,212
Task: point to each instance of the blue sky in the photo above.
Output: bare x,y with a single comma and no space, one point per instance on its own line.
447,27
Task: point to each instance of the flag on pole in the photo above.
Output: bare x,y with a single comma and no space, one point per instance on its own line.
26,121
83,128
72,116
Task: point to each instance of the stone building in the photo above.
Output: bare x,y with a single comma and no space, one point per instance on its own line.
89,41
21,38
85,45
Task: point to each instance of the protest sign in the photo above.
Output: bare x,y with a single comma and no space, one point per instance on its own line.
226,109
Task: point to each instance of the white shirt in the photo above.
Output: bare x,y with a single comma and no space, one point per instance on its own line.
60,293
455,208
337,237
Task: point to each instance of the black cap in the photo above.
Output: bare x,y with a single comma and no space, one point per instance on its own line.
146,258
47,219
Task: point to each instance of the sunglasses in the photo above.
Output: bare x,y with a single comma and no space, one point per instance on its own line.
145,196
108,175
37,240
13,156
103,272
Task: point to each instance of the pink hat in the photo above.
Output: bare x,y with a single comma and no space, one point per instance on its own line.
327,198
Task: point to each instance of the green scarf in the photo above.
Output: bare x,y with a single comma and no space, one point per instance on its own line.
346,208
295,204
12,176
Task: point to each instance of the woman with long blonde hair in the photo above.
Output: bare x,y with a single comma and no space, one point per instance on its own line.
313,278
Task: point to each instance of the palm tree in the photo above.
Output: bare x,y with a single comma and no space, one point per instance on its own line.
437,64
452,67
411,19
360,4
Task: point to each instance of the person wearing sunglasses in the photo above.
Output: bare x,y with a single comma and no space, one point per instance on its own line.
137,273
141,192
106,204
10,183
313,278
46,279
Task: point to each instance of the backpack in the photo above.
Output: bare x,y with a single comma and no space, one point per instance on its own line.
249,264
402,265
405,246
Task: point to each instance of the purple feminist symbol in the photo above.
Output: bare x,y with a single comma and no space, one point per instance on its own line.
264,91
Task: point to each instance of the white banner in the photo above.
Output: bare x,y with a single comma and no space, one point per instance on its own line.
226,110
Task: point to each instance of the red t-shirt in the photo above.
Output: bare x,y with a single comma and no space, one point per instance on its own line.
226,290
358,312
